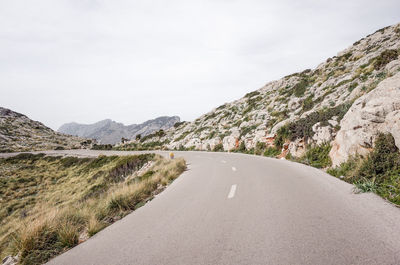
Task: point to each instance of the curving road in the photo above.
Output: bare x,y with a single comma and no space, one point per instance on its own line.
242,209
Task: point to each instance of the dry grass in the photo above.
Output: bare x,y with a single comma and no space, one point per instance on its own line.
49,204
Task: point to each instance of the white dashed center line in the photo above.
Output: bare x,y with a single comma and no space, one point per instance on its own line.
232,191
223,161
234,168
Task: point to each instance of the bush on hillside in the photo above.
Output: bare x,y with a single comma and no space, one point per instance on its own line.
317,156
378,172
384,58
271,152
302,128
218,148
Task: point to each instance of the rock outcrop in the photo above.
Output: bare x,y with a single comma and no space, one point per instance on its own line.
19,133
377,111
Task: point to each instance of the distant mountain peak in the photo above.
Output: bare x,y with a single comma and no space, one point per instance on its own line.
108,131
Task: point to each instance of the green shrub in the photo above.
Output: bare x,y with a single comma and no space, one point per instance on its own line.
366,185
272,152
379,172
300,88
383,161
252,94
246,130
242,147
182,136
282,134
302,128
260,147
352,86
160,133
308,103
178,124
384,58
218,148
346,169
317,156
102,147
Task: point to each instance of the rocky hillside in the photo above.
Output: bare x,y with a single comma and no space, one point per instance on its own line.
307,108
19,133
111,132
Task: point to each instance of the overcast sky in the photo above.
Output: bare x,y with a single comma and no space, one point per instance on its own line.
87,60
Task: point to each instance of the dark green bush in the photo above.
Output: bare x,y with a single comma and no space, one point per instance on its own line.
272,152
308,103
218,148
252,94
379,172
241,148
260,147
302,128
346,169
282,134
102,147
352,86
300,88
159,133
384,58
317,156
383,161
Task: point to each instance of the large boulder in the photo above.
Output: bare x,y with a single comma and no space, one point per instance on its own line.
229,142
377,111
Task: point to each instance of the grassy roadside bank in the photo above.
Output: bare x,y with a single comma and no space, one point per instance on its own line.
50,204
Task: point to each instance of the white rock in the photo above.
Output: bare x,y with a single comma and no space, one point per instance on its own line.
297,148
377,111
322,134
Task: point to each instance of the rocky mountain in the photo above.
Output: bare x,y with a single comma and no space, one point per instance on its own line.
344,101
111,132
19,133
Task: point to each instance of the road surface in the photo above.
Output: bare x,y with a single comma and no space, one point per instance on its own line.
242,209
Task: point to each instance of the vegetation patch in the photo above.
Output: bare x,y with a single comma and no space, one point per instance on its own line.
302,128
271,152
160,133
384,58
252,94
317,156
48,203
218,148
102,147
379,172
300,88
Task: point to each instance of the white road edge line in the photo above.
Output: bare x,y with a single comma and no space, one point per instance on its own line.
232,191
234,168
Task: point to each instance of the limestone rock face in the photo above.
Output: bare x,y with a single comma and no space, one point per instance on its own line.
322,134
229,142
18,133
377,111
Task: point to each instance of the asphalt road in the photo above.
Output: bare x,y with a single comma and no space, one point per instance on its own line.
241,209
